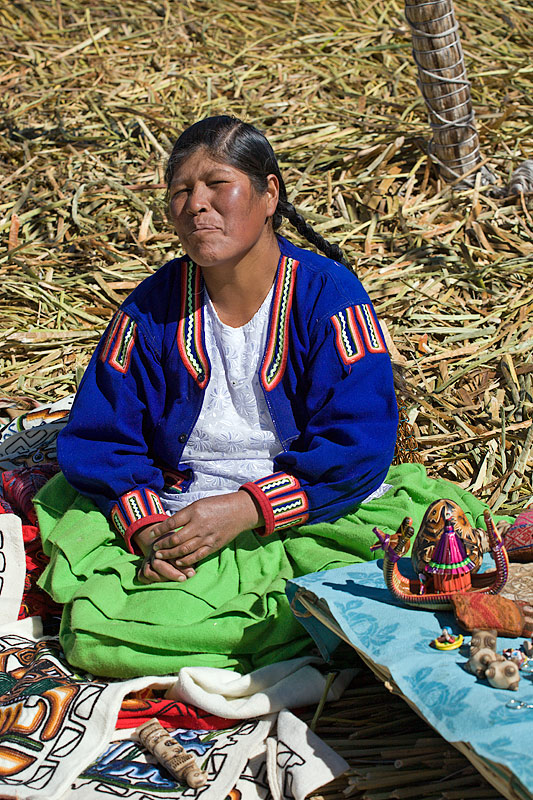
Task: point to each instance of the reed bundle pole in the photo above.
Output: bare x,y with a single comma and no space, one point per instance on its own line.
445,87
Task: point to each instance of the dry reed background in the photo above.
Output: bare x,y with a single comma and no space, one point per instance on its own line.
92,95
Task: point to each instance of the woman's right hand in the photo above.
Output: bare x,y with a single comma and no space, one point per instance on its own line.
144,539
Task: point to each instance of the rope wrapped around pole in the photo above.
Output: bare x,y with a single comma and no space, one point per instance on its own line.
445,88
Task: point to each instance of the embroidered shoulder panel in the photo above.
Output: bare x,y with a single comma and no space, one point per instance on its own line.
119,342
275,359
190,343
357,333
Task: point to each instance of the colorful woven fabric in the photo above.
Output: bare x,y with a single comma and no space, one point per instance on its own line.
450,556
35,601
141,706
19,487
486,611
518,539
18,490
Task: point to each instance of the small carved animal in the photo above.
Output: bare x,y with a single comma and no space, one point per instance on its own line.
503,675
432,527
481,660
481,638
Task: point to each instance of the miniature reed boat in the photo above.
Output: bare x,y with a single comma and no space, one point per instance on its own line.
448,570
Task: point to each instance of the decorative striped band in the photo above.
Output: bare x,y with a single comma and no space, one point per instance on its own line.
370,328
349,324
278,483
289,510
154,503
177,481
349,342
190,343
283,501
276,351
120,355
118,344
133,506
118,520
290,523
466,562
115,322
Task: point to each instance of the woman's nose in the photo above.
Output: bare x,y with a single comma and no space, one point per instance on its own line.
197,199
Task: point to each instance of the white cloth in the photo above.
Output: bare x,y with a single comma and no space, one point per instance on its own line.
234,439
298,761
228,694
12,568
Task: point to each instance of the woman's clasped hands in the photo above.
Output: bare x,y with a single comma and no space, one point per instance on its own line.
173,546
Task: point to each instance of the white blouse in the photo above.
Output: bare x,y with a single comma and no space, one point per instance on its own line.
234,439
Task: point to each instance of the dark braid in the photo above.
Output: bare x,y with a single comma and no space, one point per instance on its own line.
330,250
243,146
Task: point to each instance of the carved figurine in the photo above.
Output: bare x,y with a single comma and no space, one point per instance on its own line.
481,638
479,662
171,754
447,640
486,663
527,647
503,675
517,656
432,528
449,570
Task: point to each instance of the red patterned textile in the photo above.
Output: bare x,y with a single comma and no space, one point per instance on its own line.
518,539
139,707
17,490
19,487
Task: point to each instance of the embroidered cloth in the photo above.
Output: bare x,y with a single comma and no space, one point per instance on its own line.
57,723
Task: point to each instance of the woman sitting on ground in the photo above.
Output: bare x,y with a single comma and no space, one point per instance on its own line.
235,426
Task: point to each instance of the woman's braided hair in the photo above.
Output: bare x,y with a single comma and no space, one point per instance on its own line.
244,147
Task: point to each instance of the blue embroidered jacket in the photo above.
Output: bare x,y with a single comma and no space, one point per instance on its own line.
325,373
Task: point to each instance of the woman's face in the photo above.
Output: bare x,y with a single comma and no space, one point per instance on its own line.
216,212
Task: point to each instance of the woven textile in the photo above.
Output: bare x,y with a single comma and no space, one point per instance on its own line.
519,537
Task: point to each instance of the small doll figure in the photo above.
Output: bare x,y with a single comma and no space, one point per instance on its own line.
516,655
447,640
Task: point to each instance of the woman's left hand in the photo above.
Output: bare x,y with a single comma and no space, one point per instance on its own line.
205,527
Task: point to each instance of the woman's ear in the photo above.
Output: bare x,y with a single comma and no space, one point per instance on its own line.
272,195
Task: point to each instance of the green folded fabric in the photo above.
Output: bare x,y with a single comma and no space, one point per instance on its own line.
233,613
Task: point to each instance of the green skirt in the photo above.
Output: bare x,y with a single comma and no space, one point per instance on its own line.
234,612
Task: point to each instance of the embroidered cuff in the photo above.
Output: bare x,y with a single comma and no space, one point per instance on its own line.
134,510
282,501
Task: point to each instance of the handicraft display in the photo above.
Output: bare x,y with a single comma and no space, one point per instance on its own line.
501,670
449,565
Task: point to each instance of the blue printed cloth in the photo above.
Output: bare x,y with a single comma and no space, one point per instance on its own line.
458,705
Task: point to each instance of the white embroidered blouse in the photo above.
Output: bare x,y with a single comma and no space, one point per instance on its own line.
234,439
